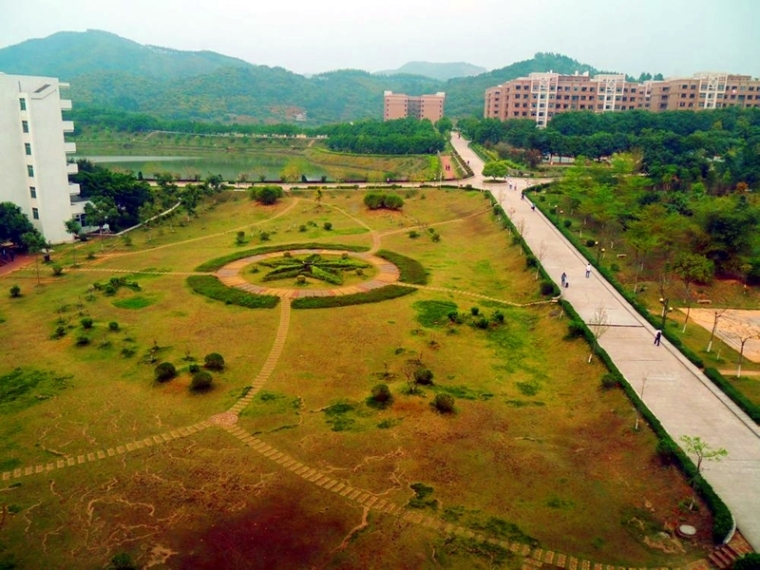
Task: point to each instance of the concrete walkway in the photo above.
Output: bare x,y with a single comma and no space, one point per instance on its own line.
682,398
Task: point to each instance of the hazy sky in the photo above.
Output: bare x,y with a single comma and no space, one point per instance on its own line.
308,36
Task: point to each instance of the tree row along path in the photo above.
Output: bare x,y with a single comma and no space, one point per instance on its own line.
682,398
533,558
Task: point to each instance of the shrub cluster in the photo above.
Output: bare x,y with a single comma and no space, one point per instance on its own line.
214,361
220,262
165,372
383,200
201,381
211,287
266,195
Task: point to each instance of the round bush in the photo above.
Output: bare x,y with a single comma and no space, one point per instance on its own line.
57,269
567,223
194,368
423,376
475,311
328,226
381,394
86,323
590,242
82,340
165,371
302,228
214,361
201,381
113,326
444,403
15,291
610,381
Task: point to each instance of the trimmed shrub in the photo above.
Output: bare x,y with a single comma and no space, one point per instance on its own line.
302,228
444,403
57,270
15,291
165,372
414,234
411,270
193,368
210,286
82,340
498,317
475,311
610,381
575,329
531,261
220,262
373,296
214,361
86,323
201,381
748,562
113,326
327,226
548,288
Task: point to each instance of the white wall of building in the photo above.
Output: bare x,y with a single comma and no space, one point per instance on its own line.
44,194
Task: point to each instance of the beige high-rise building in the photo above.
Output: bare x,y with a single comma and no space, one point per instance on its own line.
540,96
400,106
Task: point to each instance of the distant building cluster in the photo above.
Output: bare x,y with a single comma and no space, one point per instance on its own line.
34,168
540,96
400,106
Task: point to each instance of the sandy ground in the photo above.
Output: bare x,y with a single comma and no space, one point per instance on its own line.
733,325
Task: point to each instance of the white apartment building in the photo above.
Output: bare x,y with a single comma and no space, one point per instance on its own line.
34,170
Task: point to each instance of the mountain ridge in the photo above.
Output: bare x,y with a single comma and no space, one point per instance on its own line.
108,71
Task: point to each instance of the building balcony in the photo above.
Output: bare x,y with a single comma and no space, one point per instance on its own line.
74,189
72,168
77,207
65,105
70,147
68,126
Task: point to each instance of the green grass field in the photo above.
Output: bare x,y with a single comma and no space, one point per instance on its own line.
536,452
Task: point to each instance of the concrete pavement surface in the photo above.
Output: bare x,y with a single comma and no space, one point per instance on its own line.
682,398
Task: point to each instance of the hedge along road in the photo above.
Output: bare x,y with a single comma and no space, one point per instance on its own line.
682,398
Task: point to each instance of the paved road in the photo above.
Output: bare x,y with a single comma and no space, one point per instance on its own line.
685,402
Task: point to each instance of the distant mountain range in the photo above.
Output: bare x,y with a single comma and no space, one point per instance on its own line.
109,71
439,71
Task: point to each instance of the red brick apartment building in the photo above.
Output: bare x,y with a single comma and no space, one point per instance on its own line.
399,106
540,96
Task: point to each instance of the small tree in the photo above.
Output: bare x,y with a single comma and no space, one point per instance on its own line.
691,267
695,445
73,227
496,169
267,195
165,372
15,291
599,324
423,376
34,243
214,361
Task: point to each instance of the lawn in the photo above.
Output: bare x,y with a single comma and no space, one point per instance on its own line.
535,452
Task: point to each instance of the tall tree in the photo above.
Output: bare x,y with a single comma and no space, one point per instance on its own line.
73,227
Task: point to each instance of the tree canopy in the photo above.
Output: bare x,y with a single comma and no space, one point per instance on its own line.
14,224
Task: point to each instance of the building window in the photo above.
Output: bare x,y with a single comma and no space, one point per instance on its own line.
30,170
25,126
28,149
32,191
35,213
22,104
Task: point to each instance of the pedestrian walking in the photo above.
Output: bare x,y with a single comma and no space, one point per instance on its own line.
657,337
588,270
567,282
522,195
563,278
532,207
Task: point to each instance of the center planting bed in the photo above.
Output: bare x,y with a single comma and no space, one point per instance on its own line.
535,450
312,270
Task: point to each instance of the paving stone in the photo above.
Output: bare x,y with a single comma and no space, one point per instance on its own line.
338,487
573,563
269,453
363,497
148,442
120,449
139,444
598,566
525,550
372,500
6,475
167,436
90,457
355,493
585,565
314,477
330,484
39,468
101,455
301,470
80,459
157,439
111,452
50,466
538,553
549,557
390,508
289,463
560,561
308,473
60,463
16,473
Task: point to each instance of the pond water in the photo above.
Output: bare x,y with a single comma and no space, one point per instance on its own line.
187,167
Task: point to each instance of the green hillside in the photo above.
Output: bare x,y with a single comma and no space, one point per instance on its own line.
108,71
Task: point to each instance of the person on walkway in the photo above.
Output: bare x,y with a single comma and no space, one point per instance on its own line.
588,270
522,194
657,337
563,278
532,207
567,282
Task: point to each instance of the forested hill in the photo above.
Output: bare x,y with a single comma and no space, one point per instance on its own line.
439,71
108,71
